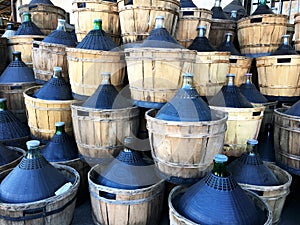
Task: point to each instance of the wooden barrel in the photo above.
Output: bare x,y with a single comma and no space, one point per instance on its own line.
138,206
218,29
268,114
209,72
58,209
82,168
85,11
239,65
242,124
99,133
85,66
15,99
183,152
12,164
297,31
3,54
155,74
260,35
278,77
177,219
44,16
43,114
286,141
23,44
138,19
45,56
273,195
189,20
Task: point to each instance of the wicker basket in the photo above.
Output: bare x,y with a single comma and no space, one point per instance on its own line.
3,54
177,219
297,31
286,141
274,195
85,66
53,210
209,70
155,74
14,163
45,56
138,206
43,114
242,124
183,151
189,20
260,35
44,16
85,11
99,133
138,19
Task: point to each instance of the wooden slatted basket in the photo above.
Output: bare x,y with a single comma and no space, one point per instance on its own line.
138,206
43,114
242,124
46,56
23,44
3,54
183,151
177,219
273,195
209,70
155,74
239,65
297,31
138,19
286,141
260,35
218,29
44,16
85,11
189,20
15,99
84,67
99,133
278,76
53,210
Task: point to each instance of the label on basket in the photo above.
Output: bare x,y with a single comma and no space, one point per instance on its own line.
63,188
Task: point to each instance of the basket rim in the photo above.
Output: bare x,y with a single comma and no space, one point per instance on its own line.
29,97
78,105
280,112
16,160
120,190
186,124
277,57
261,16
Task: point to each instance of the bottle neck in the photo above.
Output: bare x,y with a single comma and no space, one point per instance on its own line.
159,23
230,81
17,57
56,74
228,38
187,82
286,40
3,105
217,3
10,26
201,32
248,79
262,2
251,149
219,169
33,153
97,25
233,14
105,79
27,17
60,130
61,26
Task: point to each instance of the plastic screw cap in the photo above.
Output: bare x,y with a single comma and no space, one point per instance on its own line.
230,75
252,142
201,27
32,144
159,17
188,75
97,20
220,158
59,124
